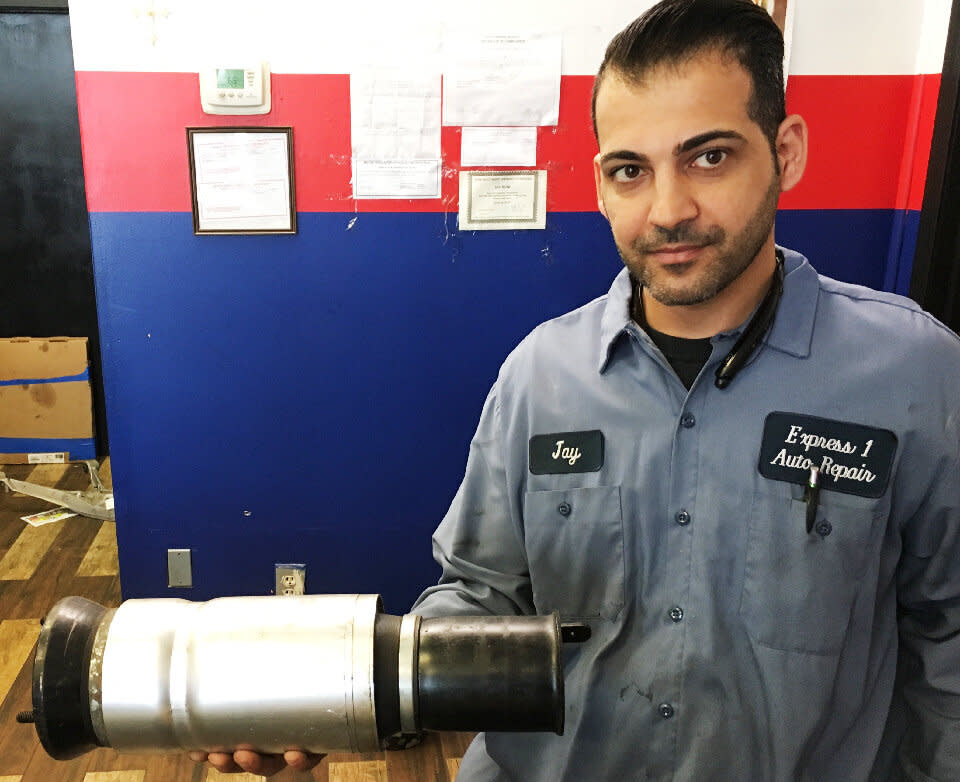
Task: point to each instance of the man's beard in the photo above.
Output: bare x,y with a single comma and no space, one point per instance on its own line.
733,258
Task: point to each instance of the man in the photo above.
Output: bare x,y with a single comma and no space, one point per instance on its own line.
641,463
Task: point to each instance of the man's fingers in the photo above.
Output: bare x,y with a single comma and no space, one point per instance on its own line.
255,763
223,762
301,761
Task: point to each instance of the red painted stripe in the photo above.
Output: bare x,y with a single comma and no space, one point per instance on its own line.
858,131
135,150
133,131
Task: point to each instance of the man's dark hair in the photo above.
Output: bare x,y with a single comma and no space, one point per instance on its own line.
674,31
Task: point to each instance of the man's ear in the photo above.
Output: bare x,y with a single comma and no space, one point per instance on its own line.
598,179
792,151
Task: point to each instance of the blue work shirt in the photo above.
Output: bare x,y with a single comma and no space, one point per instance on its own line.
729,643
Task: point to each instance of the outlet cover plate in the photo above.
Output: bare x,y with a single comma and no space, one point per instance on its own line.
291,578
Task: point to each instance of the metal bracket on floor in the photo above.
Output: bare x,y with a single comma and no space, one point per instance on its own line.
95,502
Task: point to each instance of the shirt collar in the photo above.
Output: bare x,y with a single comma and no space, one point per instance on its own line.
616,316
792,329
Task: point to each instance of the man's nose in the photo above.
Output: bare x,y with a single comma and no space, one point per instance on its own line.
673,203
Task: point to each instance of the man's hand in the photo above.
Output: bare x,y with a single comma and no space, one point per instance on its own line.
255,763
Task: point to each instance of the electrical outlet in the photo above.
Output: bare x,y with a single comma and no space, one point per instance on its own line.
291,578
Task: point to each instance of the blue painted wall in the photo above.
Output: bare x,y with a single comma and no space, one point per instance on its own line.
311,398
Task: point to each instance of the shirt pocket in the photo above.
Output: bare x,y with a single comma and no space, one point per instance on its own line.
574,542
799,587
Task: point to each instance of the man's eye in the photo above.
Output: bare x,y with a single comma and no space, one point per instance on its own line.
625,173
710,159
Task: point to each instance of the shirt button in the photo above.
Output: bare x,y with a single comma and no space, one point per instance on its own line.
824,528
564,508
676,613
683,518
666,710
687,421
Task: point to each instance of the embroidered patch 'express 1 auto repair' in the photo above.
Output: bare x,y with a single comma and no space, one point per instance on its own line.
852,459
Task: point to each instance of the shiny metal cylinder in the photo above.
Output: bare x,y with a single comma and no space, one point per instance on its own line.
321,673
286,673
407,668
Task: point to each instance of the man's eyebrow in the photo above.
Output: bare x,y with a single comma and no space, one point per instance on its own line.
704,138
623,154
685,146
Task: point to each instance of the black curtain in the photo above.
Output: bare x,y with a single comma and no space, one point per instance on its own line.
935,281
46,268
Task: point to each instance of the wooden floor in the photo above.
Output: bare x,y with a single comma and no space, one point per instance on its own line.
78,556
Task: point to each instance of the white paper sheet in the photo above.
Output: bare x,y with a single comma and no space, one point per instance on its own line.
501,79
396,179
498,147
395,116
395,133
242,181
502,200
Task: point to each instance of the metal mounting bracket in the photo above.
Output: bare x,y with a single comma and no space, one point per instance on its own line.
95,502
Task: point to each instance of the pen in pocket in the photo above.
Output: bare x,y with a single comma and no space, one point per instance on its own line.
811,496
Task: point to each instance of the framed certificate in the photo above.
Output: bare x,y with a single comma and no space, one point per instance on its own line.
502,200
241,180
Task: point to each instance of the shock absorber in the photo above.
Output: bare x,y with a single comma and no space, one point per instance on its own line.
321,673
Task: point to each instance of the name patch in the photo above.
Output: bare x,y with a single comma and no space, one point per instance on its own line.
852,459
566,452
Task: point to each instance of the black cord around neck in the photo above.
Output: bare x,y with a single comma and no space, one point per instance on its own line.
752,335
755,331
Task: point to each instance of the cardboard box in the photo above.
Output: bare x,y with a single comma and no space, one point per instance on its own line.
46,409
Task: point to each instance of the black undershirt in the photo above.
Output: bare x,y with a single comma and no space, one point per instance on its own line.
686,356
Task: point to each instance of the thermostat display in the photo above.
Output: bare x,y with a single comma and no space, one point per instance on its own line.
235,90
230,78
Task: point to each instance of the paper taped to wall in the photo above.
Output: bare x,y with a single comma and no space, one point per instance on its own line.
501,79
498,147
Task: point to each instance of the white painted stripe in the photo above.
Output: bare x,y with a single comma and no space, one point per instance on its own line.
833,37
304,36
860,37
933,36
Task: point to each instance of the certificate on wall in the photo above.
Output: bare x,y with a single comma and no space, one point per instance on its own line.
241,180
502,200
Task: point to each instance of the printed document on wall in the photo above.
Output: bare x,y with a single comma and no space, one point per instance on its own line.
396,178
395,133
498,146
242,180
501,79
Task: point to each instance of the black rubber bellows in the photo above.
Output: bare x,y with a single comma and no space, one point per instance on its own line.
61,674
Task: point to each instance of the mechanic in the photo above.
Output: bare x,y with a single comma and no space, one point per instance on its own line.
743,475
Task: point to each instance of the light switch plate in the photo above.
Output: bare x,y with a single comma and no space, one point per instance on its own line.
179,568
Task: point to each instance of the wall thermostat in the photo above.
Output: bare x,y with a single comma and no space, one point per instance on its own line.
235,89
